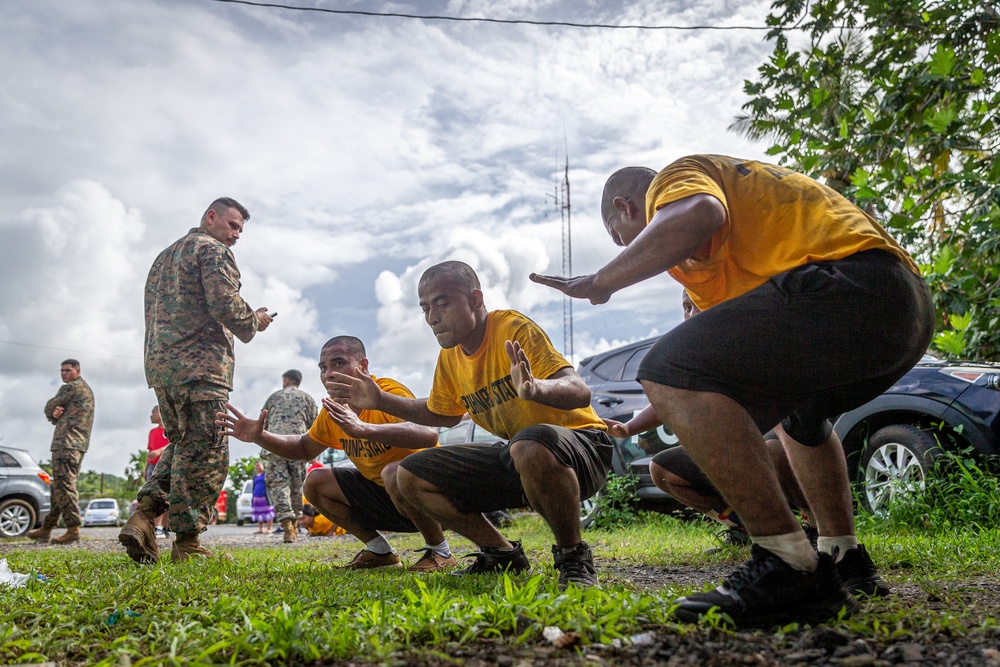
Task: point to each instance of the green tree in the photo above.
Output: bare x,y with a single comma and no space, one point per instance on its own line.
895,104
241,471
135,471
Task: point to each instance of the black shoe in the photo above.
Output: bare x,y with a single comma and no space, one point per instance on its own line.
732,537
766,591
857,571
491,560
811,534
575,567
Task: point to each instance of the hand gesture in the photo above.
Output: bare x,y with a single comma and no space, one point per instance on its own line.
582,287
345,418
58,411
520,371
617,429
263,319
357,389
240,426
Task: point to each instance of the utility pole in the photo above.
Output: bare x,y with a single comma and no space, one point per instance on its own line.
567,260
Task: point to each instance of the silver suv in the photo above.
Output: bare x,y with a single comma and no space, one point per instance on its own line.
24,492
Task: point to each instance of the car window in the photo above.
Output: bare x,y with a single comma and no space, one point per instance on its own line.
632,365
248,487
102,504
454,434
610,368
480,434
8,461
332,455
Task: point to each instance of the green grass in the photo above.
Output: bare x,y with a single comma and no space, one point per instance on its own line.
276,606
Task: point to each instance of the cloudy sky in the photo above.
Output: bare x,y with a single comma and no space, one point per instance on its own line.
366,148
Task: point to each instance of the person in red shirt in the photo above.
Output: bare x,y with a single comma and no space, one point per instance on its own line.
157,443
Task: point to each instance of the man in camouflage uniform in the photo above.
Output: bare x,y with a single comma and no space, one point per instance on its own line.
72,411
193,308
290,411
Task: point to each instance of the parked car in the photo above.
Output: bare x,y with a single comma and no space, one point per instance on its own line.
102,512
24,492
244,504
890,442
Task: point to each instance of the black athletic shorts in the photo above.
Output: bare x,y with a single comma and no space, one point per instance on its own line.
482,478
371,506
806,345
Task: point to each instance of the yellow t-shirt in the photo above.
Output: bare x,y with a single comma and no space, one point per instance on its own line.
369,456
480,383
776,220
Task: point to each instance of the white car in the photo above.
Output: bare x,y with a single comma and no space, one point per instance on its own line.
244,504
102,512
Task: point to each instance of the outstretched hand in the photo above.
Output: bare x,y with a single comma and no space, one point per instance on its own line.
617,429
345,418
520,371
357,389
239,425
581,287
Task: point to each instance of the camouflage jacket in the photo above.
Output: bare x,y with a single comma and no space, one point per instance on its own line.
73,427
290,411
193,308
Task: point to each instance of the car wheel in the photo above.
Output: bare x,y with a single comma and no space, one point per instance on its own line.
896,460
588,511
239,522
17,517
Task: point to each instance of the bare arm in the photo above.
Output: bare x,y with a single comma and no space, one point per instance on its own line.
403,434
241,427
362,392
564,389
646,420
676,232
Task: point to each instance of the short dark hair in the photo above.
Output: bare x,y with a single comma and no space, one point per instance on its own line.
628,182
293,376
464,275
71,362
356,347
309,510
222,204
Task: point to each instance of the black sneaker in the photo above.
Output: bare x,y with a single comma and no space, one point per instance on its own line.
499,518
575,567
491,559
766,591
812,534
857,571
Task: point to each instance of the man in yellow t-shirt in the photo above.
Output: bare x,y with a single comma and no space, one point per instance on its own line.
317,524
810,309
355,498
501,368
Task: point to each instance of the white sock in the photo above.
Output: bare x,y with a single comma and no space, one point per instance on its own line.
793,548
837,546
379,546
442,549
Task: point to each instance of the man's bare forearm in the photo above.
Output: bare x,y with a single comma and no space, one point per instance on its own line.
294,447
414,410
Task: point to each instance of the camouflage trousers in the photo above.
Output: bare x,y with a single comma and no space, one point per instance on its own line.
65,500
192,469
284,485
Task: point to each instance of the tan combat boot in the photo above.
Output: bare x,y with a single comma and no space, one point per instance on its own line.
40,534
188,545
137,534
289,530
71,535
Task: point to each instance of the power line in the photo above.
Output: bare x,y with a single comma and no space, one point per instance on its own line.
479,19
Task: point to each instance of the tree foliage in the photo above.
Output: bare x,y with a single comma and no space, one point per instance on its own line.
895,104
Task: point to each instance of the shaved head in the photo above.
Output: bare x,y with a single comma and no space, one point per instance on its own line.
459,274
630,183
354,345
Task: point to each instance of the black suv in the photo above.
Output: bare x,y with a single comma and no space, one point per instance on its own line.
889,441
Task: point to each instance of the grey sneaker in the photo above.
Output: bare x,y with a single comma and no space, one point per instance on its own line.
858,573
733,537
575,567
766,591
496,560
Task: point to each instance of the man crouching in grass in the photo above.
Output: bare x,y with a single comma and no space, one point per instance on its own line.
375,441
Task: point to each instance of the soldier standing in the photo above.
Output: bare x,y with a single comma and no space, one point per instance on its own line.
72,411
290,411
193,308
